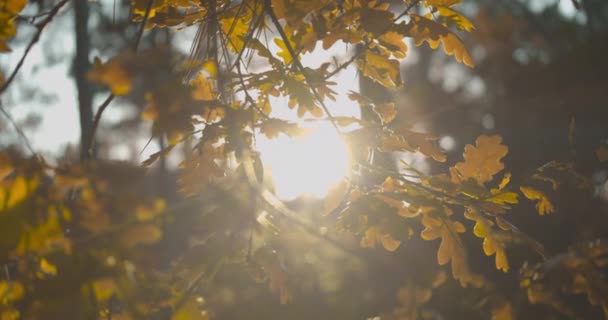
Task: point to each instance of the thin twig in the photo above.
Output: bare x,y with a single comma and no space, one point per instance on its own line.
111,97
40,26
10,119
298,64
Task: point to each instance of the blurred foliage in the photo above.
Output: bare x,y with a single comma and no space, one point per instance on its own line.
95,240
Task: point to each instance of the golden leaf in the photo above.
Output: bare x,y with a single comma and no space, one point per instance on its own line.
406,140
503,312
104,288
284,51
47,268
462,22
15,6
543,205
189,311
235,29
490,247
374,235
114,74
434,33
438,225
483,229
394,42
11,291
505,180
203,88
386,111
381,69
482,162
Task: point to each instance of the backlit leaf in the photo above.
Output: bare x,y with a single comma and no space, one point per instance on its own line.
434,33
543,204
446,3
458,19
481,162
11,291
381,69
439,225
483,229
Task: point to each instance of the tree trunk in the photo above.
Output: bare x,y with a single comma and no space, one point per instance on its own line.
81,66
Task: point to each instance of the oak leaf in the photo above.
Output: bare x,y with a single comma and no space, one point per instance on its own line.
481,162
543,204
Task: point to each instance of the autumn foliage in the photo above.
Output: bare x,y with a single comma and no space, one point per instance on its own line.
95,230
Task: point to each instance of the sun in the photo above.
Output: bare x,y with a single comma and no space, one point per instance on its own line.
307,165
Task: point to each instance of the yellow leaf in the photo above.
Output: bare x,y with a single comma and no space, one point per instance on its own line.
9,313
284,52
394,42
210,66
503,197
434,34
389,243
543,205
502,312
114,74
381,69
483,229
19,190
386,111
47,267
15,6
490,247
436,3
462,22
406,140
104,288
374,235
4,48
190,310
11,291
203,88
505,180
481,162
235,28
439,225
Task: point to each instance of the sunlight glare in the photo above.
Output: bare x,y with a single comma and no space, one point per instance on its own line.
305,165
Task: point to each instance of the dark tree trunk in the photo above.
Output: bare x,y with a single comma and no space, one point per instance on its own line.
81,66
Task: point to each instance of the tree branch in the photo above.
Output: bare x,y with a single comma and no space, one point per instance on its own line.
111,97
296,61
40,26
10,119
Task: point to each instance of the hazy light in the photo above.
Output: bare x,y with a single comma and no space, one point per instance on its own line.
305,165
487,121
447,143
